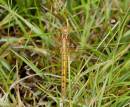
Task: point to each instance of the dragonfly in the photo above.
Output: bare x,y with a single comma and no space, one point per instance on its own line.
65,59
66,50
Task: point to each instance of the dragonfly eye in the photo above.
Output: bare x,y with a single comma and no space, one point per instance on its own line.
65,31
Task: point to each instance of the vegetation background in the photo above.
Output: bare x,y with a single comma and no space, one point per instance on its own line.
30,55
